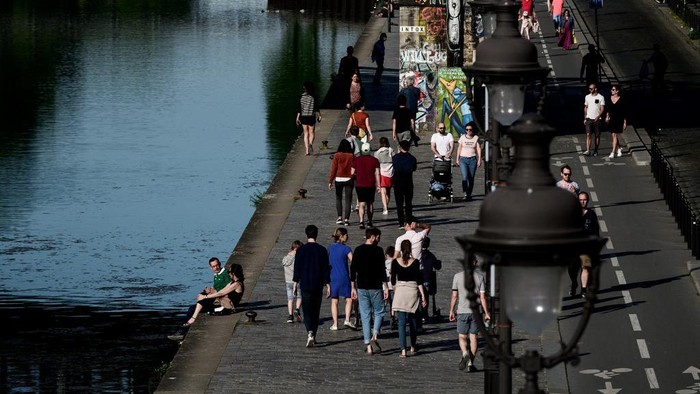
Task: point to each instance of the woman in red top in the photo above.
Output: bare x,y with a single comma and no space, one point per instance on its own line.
360,119
342,176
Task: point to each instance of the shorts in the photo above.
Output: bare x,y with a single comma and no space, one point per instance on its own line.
308,120
586,261
404,136
365,194
290,292
386,181
466,324
340,288
592,125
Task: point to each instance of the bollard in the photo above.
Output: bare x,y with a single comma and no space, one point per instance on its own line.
251,316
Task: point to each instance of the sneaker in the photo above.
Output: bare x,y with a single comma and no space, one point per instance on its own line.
595,153
310,341
619,152
385,212
297,315
219,309
587,153
334,328
463,362
370,225
290,319
339,220
472,367
347,222
349,324
362,226
375,346
612,155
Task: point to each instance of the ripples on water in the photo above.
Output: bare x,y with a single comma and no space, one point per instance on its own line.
136,134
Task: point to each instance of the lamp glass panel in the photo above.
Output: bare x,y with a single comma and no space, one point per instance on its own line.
533,295
489,21
507,102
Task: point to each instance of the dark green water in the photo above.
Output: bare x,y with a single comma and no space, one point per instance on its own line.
133,136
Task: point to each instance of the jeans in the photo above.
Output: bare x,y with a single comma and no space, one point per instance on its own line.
346,186
371,299
402,316
467,166
311,308
403,194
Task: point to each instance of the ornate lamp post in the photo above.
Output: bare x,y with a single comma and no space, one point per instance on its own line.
530,230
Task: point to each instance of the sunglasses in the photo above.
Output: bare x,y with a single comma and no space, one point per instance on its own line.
566,173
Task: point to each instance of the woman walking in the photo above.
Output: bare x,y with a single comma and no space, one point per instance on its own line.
386,172
356,93
342,175
340,256
616,119
408,283
308,115
360,119
468,159
566,40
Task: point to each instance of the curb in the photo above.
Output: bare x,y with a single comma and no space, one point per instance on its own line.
694,270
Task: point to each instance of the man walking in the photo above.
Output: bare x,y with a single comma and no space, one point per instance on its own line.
442,144
404,165
566,182
402,121
366,169
369,286
311,273
378,57
593,107
416,237
466,326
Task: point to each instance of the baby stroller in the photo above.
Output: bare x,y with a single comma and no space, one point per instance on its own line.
441,182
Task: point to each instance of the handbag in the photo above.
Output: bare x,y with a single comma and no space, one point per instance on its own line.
362,132
573,38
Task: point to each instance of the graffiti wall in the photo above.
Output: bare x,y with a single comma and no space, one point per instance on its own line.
452,107
423,52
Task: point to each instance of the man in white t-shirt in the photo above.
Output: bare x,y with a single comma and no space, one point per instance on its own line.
416,237
442,144
593,108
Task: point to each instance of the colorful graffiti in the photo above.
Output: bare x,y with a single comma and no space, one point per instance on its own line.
452,107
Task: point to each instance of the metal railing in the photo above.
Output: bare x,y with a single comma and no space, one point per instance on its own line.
682,208
688,11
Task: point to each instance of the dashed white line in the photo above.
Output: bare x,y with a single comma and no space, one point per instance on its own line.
586,172
589,182
627,296
651,377
594,196
620,277
643,350
603,226
635,322
609,245
598,211
614,261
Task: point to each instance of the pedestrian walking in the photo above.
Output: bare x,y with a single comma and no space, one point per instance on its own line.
360,119
526,24
442,144
467,329
591,227
468,159
555,10
415,233
378,57
566,39
616,119
593,109
349,65
404,165
407,282
590,64
566,182
388,258
340,256
402,121
356,92
369,287
288,265
311,274
429,265
342,177
367,183
308,115
386,172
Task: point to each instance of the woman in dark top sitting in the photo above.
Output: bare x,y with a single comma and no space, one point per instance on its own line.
234,290
408,283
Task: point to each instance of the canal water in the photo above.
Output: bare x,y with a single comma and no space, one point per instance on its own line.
135,136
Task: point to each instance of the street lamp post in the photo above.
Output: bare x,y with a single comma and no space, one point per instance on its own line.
530,230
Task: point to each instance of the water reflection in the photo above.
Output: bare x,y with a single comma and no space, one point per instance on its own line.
134,135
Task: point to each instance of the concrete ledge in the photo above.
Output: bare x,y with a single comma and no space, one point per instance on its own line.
694,270
639,143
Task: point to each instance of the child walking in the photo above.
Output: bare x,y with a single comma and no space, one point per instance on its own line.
288,264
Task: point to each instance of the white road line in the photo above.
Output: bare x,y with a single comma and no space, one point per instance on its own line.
627,296
651,377
635,322
578,147
603,226
643,350
594,196
575,139
614,261
582,159
589,182
585,170
620,277
598,212
609,245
